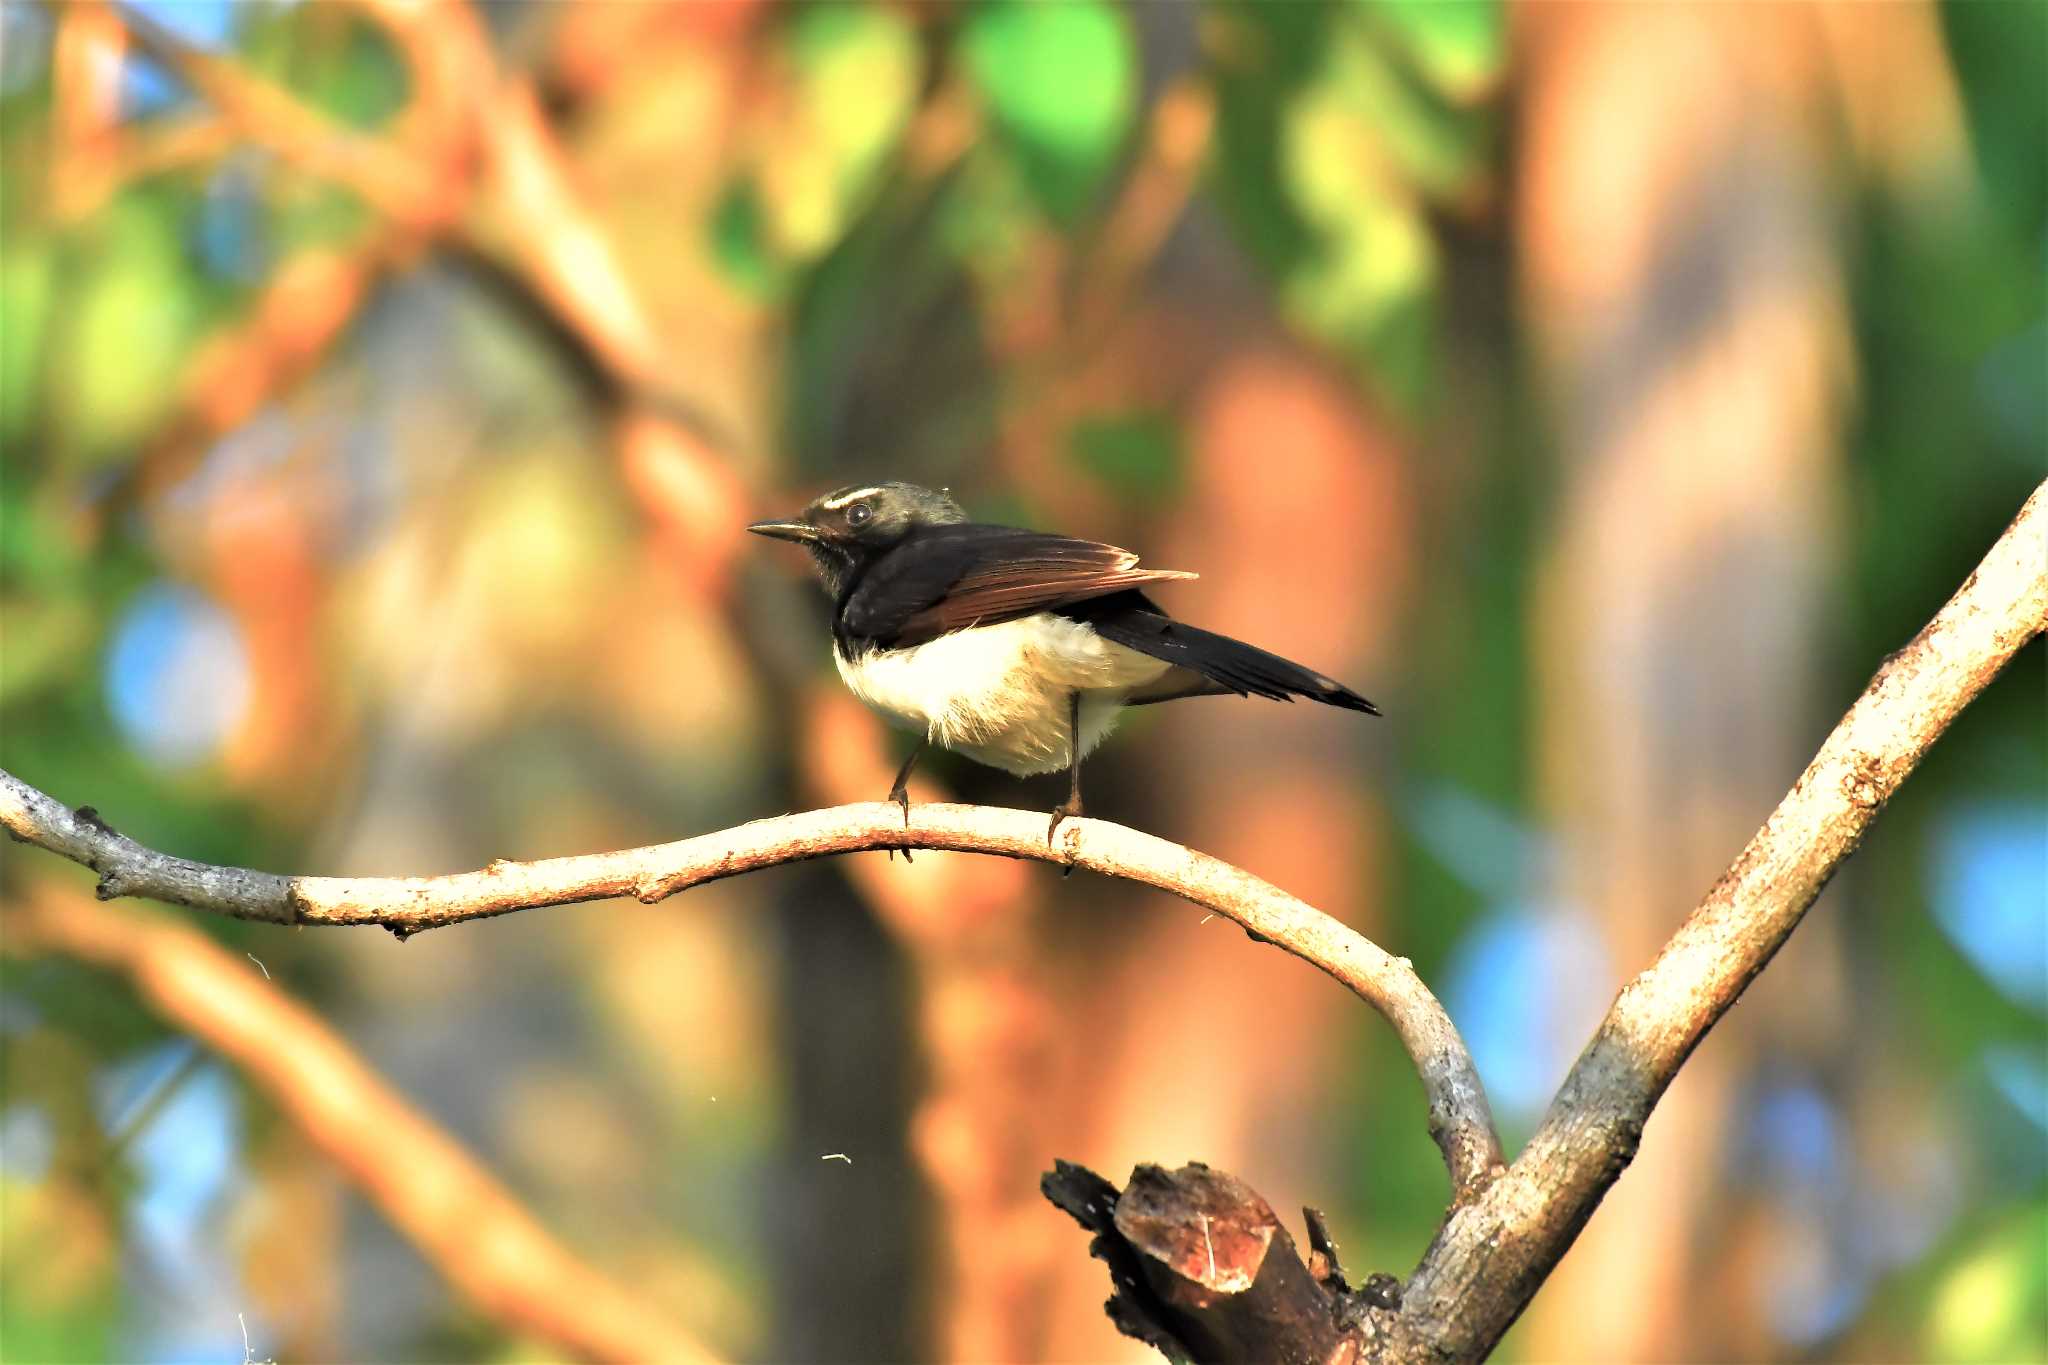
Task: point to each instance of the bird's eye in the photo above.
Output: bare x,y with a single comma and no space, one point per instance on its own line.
859,514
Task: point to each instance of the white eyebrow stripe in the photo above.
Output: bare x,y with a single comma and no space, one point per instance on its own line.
847,499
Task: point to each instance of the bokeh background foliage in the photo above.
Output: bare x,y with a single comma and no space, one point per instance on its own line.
1603,389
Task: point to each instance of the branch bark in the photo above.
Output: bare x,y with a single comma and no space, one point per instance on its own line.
1492,1254
1459,1118
473,1231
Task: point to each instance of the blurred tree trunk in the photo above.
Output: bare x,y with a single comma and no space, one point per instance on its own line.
1687,304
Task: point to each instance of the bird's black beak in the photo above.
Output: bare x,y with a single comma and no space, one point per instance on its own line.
800,531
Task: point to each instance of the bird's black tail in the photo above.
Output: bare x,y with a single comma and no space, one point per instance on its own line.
1230,665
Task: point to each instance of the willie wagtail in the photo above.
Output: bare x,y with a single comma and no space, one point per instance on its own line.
1017,648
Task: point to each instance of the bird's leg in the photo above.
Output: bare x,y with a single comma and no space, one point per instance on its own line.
900,793
1072,805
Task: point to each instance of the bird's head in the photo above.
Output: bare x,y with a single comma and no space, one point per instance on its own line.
845,528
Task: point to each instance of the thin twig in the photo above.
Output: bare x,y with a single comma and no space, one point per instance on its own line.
397,183
1460,1120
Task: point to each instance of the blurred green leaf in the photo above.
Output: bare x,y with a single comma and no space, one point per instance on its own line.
46,640
1136,455
1460,45
1390,127
312,214
25,280
856,73
1992,1306
55,590
1370,287
59,1300
1329,148
739,245
2000,53
130,319
1382,259
857,68
1061,82
1259,56
331,58
985,216
34,553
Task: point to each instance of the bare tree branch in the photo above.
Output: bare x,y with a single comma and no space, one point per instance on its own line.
473,1231
1493,1252
397,183
1459,1118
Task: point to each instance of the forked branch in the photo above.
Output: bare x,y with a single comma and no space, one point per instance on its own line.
1493,1253
1495,1250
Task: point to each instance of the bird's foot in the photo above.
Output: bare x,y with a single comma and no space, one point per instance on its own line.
901,796
1071,807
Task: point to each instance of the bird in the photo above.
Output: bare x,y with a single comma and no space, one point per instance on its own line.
1016,648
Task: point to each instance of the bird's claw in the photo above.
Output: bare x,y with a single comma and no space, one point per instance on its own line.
1066,809
901,796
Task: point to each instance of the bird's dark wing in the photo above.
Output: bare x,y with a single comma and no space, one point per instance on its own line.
946,578
1205,663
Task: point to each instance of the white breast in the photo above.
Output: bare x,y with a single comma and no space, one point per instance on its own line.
999,694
